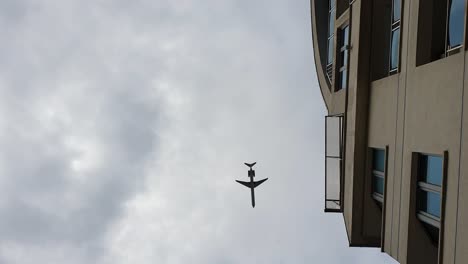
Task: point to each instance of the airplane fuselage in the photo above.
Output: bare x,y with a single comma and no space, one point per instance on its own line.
252,188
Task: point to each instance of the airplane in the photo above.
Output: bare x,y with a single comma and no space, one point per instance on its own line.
252,184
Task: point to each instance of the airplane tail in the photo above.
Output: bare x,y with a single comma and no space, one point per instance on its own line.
250,164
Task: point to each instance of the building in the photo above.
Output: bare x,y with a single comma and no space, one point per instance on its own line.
393,77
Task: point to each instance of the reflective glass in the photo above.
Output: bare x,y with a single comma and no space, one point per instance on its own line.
330,51
332,4
346,35
378,184
456,17
378,160
344,79
394,53
431,203
432,169
331,23
396,10
344,58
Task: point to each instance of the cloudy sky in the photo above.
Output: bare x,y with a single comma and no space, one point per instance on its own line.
123,125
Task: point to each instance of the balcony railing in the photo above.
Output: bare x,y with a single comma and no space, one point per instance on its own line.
330,72
334,163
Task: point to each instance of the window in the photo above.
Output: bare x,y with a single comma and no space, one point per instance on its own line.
440,29
341,7
343,58
385,37
395,36
331,38
378,174
429,193
456,13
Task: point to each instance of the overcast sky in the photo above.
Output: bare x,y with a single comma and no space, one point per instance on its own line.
123,125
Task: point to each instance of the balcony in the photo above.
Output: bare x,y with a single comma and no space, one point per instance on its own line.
334,164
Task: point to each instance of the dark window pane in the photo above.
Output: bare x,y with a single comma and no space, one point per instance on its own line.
378,159
394,53
343,79
431,167
330,50
456,16
433,233
396,10
331,23
430,203
377,184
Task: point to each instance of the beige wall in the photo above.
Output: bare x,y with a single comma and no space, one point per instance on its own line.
429,121
461,239
382,128
419,109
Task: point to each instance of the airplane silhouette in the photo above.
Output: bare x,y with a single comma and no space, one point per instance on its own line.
252,184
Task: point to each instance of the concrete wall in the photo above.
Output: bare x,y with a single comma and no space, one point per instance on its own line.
461,228
382,128
428,121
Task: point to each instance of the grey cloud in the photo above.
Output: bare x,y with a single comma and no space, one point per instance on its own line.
124,124
78,128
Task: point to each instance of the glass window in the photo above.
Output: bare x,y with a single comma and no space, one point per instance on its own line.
378,159
331,37
378,185
330,50
346,35
378,174
430,173
343,58
440,30
456,25
331,23
343,79
345,45
396,10
394,54
432,169
430,203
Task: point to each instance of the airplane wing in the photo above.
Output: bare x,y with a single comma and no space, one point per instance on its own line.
247,184
257,183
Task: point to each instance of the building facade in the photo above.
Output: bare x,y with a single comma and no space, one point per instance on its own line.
393,77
